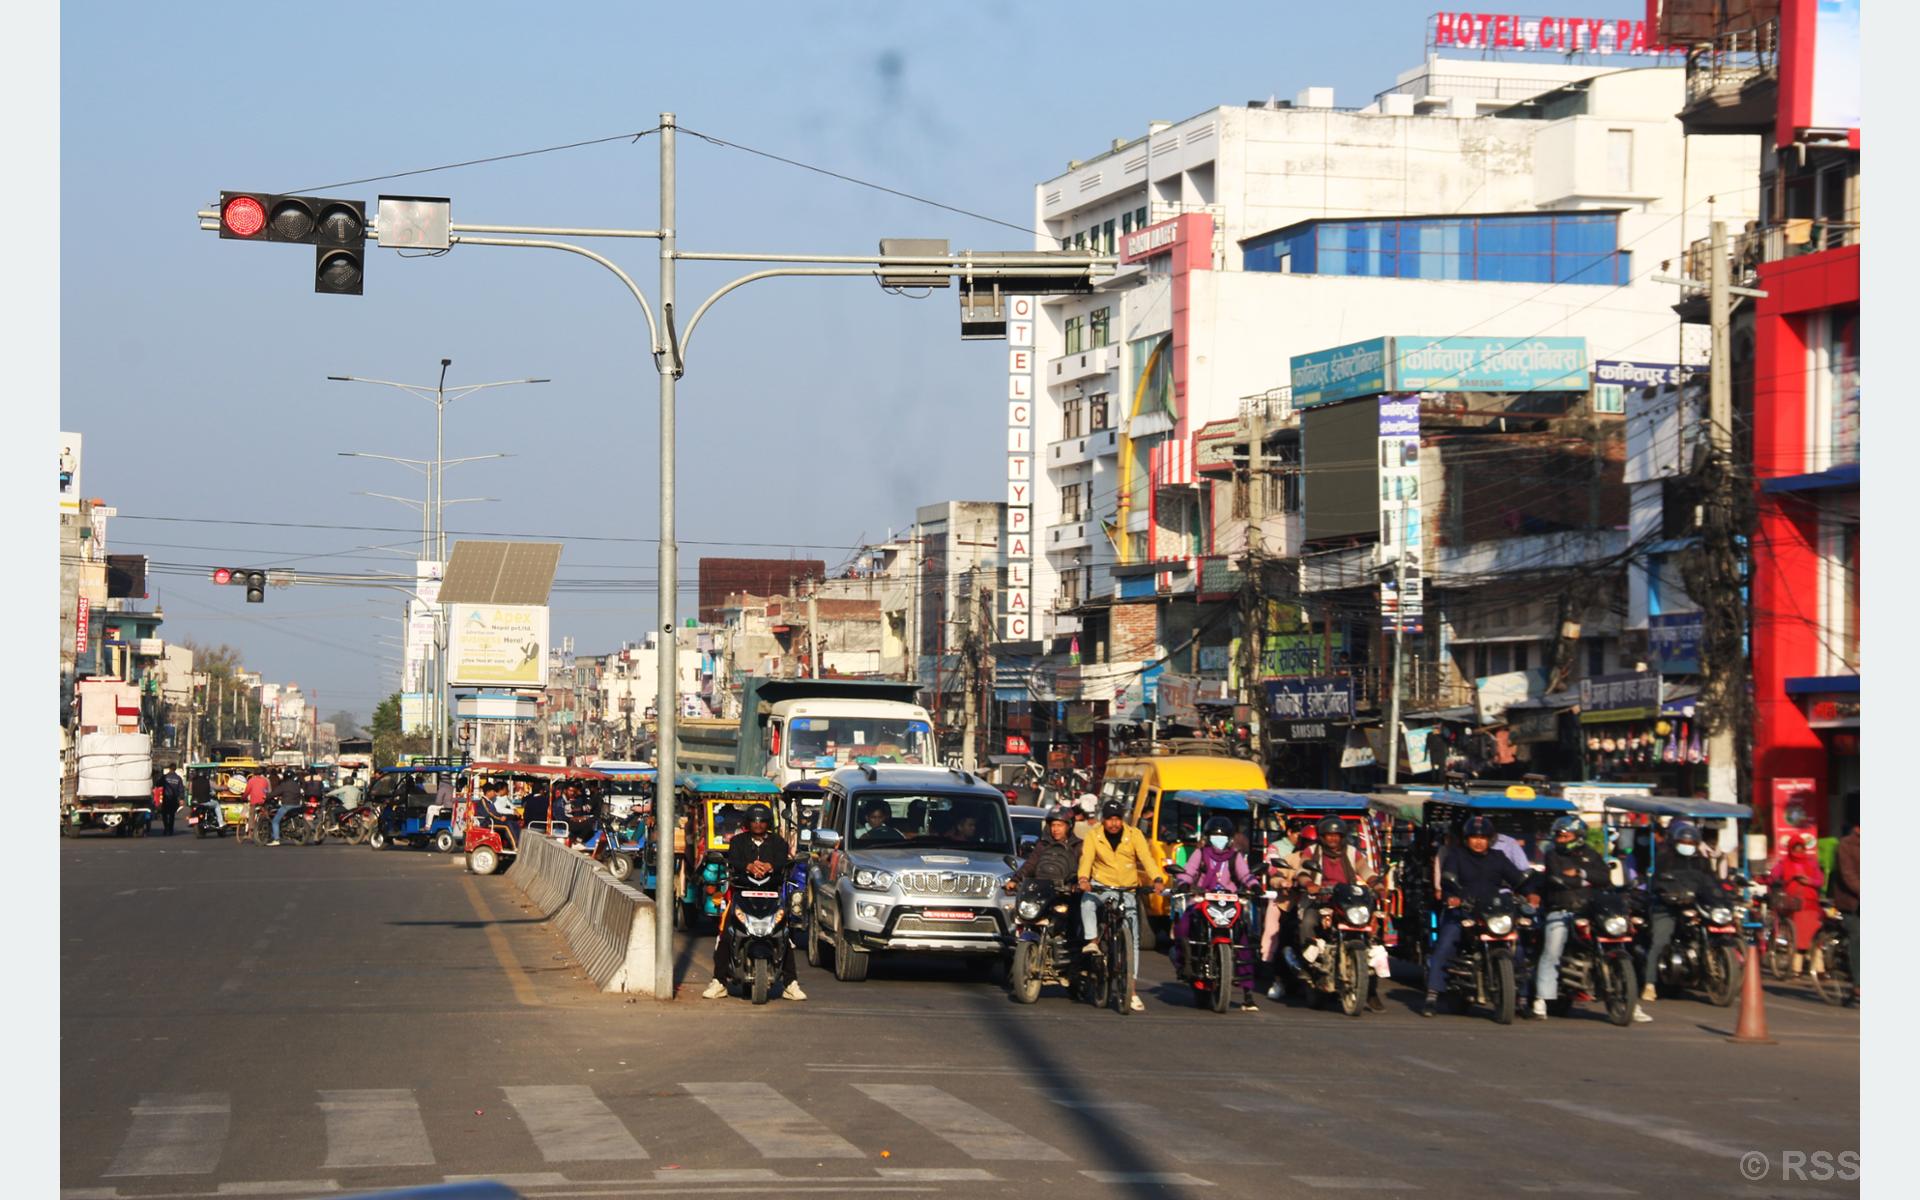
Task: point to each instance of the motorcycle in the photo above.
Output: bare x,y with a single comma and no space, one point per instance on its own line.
1706,951
1341,960
1831,963
758,913
1482,971
304,826
350,825
1204,959
1045,949
1598,958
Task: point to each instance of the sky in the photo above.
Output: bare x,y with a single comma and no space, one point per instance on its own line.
814,414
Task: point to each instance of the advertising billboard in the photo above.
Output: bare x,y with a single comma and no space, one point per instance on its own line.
497,645
70,472
1342,373
1490,364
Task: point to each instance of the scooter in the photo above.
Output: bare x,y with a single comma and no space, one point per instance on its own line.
758,914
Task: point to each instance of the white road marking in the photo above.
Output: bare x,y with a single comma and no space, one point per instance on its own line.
570,1124
175,1133
279,1187
771,1123
1431,1066
89,1193
1143,1125
938,1174
374,1127
746,1175
524,1179
975,1132
1662,1129
1165,1178
1577,1189
1353,1183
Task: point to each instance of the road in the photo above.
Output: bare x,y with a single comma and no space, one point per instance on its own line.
243,1021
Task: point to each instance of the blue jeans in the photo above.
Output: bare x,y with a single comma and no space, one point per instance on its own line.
1448,944
1546,977
280,812
1090,916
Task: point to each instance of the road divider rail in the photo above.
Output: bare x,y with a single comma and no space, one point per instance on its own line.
608,925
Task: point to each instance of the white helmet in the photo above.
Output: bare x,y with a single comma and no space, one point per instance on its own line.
1088,803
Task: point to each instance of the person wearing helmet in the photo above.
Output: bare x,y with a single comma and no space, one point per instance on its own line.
1574,871
1797,878
1470,872
1053,856
1117,857
1322,864
1680,872
759,855
1218,867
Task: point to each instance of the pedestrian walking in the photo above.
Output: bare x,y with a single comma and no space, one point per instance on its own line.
172,789
1846,897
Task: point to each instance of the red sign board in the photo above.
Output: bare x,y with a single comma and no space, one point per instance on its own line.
1560,35
1018,745
80,626
1797,808
1149,241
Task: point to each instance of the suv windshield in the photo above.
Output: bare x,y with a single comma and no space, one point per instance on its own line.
931,821
828,742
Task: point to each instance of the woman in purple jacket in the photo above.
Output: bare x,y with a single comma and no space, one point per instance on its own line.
1218,867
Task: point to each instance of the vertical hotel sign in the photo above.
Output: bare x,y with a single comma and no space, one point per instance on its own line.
1016,596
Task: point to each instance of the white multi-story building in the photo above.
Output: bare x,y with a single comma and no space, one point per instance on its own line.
1473,198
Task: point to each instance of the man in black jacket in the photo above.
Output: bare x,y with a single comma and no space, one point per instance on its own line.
1055,857
1574,871
756,857
1682,872
1475,875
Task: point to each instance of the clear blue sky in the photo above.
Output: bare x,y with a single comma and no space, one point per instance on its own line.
814,414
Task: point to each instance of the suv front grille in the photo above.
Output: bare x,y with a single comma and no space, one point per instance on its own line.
947,883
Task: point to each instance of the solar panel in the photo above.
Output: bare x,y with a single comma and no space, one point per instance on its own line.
500,573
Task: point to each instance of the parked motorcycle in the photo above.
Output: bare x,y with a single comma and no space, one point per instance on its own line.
1341,960
1219,924
1045,948
1598,959
758,912
1482,972
1706,952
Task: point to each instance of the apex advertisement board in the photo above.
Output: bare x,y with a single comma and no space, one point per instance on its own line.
497,645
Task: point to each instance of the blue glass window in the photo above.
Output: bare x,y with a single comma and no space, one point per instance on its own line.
1574,248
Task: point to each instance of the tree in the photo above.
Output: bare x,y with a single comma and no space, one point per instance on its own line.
389,740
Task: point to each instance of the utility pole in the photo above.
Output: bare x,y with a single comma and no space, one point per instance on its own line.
813,629
1723,780
970,709
1399,645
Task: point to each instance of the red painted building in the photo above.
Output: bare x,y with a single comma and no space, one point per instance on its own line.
1790,71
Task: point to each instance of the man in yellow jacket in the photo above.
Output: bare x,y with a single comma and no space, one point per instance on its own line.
1117,856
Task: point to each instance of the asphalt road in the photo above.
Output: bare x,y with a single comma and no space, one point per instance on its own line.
244,1021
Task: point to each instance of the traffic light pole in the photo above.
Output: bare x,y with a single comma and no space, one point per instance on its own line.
668,347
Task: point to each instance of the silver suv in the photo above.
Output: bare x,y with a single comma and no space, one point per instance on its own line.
912,859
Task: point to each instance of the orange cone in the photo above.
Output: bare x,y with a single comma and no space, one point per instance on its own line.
1752,1027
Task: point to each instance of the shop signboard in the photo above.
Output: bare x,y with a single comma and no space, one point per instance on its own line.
1341,373
1634,696
1308,731
1493,693
1312,697
1798,808
1533,725
1674,639
1177,697
1490,364
1358,751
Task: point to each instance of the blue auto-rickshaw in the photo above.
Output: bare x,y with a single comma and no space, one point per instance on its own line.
1631,821
623,816
715,808
408,815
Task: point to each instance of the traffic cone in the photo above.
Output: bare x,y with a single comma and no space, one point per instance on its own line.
1752,1027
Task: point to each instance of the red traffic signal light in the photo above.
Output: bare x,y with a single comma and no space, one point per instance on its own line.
337,228
223,576
241,216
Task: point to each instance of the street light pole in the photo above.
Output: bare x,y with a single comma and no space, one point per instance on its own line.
668,701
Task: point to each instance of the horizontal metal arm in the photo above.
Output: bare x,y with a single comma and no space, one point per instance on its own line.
959,261
653,330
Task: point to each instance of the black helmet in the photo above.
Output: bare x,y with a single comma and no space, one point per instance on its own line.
1329,825
1112,807
1477,826
1683,831
1219,825
759,812
1060,812
1569,824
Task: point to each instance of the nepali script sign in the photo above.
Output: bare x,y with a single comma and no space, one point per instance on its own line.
1490,364
1311,698
1340,373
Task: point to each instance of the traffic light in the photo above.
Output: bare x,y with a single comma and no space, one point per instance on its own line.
256,586
335,228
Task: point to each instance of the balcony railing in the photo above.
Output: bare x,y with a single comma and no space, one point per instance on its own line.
1724,66
1423,686
1769,243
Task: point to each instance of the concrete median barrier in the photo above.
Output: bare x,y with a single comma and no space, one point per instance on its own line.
608,925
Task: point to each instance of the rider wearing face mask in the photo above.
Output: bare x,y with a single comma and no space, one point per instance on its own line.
1219,867
1321,865
1684,870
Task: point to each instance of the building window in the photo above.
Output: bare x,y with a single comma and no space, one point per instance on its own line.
1620,161
1106,238
1070,509
1609,398
1069,589
1596,658
1097,413
1079,241
1126,222
1070,412
1833,372
1140,217
1569,247
1097,325
1076,326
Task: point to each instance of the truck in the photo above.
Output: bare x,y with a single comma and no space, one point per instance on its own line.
113,785
793,730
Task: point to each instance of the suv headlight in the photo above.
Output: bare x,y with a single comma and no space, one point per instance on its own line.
1615,925
869,879
1359,914
1720,916
1500,924
1029,910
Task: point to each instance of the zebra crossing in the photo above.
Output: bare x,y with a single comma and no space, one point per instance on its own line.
176,1142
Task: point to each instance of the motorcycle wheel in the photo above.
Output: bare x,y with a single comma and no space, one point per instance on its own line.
1829,980
377,839
1778,957
198,830
620,866
1505,998
1222,977
849,964
1622,990
762,980
1022,980
1353,978
1723,975
443,841
357,832
483,860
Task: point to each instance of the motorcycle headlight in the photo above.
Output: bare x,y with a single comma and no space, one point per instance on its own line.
1359,914
1221,914
1720,916
1500,924
867,879
758,926
1029,910
1615,925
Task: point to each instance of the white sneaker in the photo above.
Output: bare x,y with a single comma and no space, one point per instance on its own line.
1134,1005
1275,992
793,991
1640,1016
715,991
1539,1008
273,843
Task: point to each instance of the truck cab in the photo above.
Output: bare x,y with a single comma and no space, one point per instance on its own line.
811,738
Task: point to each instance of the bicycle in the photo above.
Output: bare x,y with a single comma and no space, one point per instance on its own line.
1112,978
1830,963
